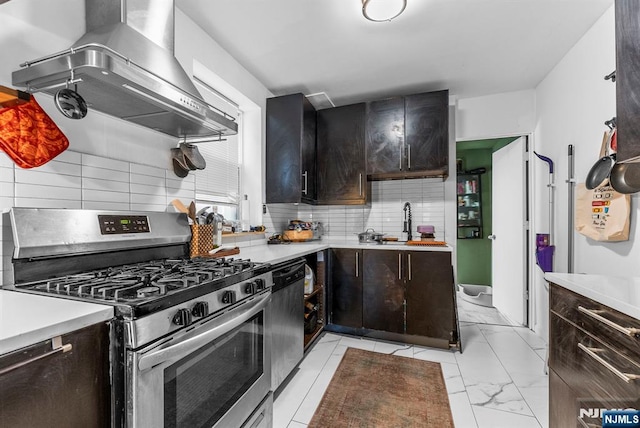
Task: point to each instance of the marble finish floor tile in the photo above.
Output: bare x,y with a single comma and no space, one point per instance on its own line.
497,381
490,418
469,312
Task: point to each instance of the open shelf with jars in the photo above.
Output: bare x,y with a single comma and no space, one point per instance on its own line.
469,206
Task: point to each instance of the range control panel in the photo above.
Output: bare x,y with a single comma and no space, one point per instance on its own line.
117,225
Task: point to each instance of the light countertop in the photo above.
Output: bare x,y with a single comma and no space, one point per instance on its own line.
27,319
619,293
282,252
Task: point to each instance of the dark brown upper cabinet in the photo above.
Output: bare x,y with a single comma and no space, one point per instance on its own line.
408,137
628,78
341,156
291,150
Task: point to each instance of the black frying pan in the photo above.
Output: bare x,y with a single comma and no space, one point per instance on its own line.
70,103
600,171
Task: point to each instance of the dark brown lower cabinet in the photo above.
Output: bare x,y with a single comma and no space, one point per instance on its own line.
430,295
62,390
588,361
396,295
345,293
383,292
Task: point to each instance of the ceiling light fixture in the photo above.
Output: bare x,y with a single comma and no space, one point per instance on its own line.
382,10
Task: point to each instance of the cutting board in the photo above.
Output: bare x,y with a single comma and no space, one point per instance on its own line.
224,252
427,243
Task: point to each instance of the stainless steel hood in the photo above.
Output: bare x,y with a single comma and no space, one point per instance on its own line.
124,66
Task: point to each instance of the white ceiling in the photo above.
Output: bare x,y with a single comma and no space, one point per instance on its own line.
471,47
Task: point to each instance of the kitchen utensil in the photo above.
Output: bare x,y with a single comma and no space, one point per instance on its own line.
600,171
192,211
428,243
70,103
625,177
370,236
177,204
192,156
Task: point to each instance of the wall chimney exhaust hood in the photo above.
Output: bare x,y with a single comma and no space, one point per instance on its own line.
124,66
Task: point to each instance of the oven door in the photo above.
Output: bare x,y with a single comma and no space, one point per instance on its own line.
215,374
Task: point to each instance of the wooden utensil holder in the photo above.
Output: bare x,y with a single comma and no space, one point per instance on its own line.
201,239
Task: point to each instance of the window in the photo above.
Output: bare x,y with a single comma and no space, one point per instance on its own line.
219,183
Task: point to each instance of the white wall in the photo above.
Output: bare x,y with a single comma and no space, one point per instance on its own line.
497,115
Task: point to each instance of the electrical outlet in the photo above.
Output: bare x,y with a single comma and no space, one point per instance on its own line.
264,208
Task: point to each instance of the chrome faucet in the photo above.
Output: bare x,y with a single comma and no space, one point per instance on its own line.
407,220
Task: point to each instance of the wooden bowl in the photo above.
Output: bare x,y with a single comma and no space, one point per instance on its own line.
297,235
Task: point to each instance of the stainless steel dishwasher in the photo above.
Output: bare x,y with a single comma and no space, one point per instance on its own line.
287,317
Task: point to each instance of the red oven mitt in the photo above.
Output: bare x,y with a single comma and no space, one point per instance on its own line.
29,136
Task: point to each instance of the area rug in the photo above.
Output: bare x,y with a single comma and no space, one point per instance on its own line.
370,389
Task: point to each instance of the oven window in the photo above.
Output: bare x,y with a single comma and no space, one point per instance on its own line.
202,387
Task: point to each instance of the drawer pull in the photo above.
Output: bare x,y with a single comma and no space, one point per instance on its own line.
629,331
57,347
627,377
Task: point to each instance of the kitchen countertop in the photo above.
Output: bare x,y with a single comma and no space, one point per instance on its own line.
617,292
277,253
27,319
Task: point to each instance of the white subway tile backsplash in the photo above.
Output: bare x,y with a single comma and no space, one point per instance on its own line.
148,200
105,174
137,169
47,192
47,203
6,201
45,179
148,207
68,156
105,196
5,161
6,176
57,167
148,180
106,206
144,189
105,163
108,185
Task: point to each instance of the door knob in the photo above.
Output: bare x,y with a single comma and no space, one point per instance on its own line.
492,237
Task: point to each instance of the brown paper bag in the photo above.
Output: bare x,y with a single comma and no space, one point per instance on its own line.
602,214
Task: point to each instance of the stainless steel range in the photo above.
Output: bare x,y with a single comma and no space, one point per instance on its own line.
190,347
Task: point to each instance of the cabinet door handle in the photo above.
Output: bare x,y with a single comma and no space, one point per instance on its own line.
627,377
400,163
360,184
57,346
409,267
305,189
357,265
629,331
409,157
399,265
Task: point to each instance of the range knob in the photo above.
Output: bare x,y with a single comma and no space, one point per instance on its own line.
250,288
229,297
259,284
200,309
182,317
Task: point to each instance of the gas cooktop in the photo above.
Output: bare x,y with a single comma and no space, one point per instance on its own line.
151,282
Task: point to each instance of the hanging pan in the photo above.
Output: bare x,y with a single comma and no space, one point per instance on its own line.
600,171
70,103
625,177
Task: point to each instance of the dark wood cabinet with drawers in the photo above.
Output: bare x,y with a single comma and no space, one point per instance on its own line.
42,386
594,359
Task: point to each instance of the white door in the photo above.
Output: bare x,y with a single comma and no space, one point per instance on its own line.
508,192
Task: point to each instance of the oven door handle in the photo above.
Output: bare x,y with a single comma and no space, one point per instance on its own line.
175,352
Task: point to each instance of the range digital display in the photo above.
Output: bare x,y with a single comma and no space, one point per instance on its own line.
118,225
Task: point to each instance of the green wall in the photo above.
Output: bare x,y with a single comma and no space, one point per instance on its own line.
474,255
